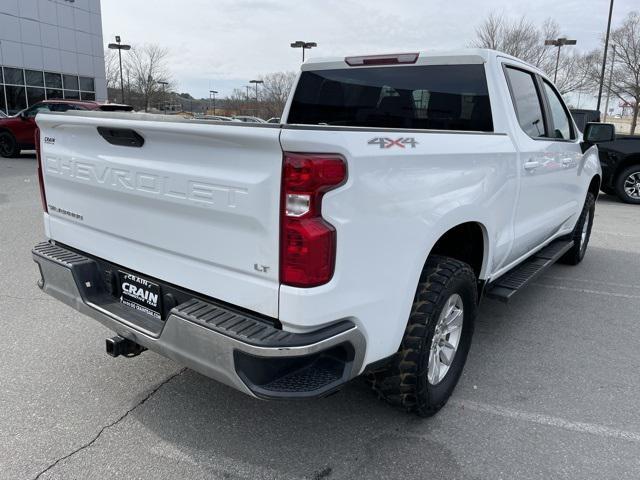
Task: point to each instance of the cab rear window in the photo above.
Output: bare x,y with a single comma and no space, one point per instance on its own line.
434,97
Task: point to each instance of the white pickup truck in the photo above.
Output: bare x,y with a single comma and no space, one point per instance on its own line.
356,237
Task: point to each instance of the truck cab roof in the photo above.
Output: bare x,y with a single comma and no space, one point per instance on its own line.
422,57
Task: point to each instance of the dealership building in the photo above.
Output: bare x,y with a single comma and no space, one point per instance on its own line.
50,49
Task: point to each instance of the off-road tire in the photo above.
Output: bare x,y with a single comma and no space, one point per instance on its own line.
403,382
575,255
619,184
8,145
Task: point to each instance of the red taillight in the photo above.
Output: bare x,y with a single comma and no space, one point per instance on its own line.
394,59
43,196
307,241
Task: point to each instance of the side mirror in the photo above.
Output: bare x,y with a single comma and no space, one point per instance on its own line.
595,133
599,132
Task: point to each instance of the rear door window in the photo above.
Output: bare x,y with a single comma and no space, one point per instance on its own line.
527,102
438,97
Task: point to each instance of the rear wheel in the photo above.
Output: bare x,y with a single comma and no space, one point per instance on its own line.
581,233
426,369
628,184
8,145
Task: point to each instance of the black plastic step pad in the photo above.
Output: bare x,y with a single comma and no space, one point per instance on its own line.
511,282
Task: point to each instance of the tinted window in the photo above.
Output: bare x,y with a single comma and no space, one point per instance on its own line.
72,95
33,111
60,107
581,120
86,84
527,102
70,82
34,95
561,123
14,76
51,93
34,78
54,80
441,97
16,99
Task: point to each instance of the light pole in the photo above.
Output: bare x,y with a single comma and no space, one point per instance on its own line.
164,96
119,46
304,46
559,42
212,93
247,87
256,82
604,57
606,104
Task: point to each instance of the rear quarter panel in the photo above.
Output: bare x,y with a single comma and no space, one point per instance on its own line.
395,205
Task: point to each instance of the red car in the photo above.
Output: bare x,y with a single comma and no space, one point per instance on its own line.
17,132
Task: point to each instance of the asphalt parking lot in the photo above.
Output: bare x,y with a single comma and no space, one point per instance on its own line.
550,389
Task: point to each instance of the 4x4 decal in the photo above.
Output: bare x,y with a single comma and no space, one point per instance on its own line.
402,142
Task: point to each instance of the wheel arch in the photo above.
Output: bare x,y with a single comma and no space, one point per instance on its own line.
467,242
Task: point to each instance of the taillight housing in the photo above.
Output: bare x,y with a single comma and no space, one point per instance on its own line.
308,241
43,196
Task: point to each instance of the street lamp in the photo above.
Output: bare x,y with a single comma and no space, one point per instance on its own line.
613,64
304,46
256,82
119,46
212,93
604,57
164,97
247,87
559,42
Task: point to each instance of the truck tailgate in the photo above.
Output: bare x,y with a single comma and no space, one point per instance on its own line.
196,206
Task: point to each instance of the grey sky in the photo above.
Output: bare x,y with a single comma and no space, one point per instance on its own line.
224,43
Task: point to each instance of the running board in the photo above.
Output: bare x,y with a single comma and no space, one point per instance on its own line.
519,277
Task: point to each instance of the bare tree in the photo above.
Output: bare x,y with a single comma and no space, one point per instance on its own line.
525,40
112,68
275,92
148,67
626,71
519,38
576,72
237,102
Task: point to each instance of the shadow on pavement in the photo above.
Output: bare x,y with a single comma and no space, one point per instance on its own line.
348,435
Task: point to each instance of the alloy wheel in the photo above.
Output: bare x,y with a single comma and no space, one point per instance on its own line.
632,185
446,339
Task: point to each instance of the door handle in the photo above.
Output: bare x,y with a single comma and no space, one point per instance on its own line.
531,165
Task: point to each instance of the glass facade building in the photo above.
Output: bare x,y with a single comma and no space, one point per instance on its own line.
50,49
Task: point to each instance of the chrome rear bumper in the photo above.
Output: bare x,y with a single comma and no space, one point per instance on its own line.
217,340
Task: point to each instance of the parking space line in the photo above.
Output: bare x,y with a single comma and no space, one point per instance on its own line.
616,234
586,290
600,282
541,419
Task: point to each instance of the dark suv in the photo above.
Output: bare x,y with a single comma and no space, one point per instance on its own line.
620,160
17,132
